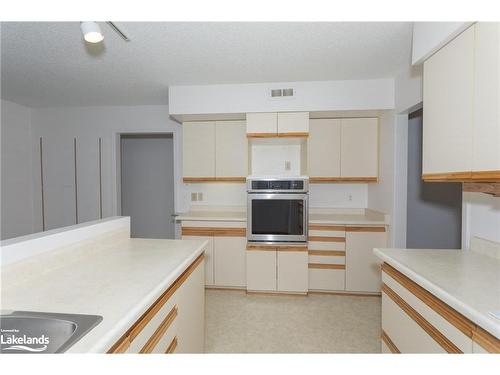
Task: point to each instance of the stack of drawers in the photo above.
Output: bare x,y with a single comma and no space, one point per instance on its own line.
326,257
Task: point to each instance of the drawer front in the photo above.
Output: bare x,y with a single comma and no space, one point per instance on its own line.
320,245
326,233
213,224
165,341
321,259
406,334
138,343
326,279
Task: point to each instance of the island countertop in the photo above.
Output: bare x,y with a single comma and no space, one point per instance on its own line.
467,281
118,281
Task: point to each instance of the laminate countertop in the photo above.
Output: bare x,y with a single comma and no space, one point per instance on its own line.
316,216
118,281
467,281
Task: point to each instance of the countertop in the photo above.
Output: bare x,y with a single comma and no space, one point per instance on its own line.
467,281
118,282
316,216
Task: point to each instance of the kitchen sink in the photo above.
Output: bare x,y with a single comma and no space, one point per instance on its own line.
42,332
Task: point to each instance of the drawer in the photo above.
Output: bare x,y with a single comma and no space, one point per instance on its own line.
166,338
326,233
138,342
321,259
322,245
326,279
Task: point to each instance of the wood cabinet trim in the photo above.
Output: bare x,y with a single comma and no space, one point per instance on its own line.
172,346
213,179
138,326
121,346
456,319
390,344
338,228
332,253
160,331
293,135
214,231
262,135
432,331
365,229
486,340
326,239
324,266
473,176
360,179
297,249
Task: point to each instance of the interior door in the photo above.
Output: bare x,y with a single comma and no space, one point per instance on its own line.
147,185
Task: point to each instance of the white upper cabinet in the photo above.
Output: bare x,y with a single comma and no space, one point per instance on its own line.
198,152
290,123
359,148
448,107
231,151
486,131
324,147
262,123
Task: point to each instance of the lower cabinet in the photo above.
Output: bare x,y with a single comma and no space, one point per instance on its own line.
274,269
175,323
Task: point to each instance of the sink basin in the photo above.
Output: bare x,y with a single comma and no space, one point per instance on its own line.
41,332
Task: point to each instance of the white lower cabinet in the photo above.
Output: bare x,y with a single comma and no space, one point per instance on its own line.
229,261
292,271
209,257
326,279
261,270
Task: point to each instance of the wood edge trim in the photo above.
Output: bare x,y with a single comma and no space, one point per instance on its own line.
326,239
324,227
293,135
231,179
432,331
365,229
121,346
486,340
323,180
261,248
262,135
214,231
160,331
330,253
161,300
172,346
452,316
472,176
326,266
390,344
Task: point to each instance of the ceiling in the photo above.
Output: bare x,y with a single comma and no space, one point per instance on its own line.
47,64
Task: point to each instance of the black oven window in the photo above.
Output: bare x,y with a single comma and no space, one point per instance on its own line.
278,216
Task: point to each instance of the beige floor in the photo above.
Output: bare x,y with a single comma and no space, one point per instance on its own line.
240,323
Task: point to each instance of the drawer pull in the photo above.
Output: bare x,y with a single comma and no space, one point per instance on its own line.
160,331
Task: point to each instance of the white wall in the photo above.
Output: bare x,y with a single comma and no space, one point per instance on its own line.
409,89
481,217
309,96
17,171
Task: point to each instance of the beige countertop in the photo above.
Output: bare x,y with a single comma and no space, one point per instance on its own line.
119,281
467,281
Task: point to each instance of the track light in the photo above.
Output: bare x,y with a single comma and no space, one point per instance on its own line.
91,32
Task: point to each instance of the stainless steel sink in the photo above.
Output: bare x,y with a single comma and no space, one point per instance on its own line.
40,332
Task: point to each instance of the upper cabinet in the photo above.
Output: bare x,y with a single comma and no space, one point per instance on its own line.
343,150
215,151
283,124
461,137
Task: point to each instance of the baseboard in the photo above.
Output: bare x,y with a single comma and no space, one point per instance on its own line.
344,293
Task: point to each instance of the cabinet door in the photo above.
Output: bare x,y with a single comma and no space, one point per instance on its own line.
362,266
448,107
293,122
230,261
262,123
359,147
261,270
231,153
292,271
486,138
198,151
190,322
209,257
324,147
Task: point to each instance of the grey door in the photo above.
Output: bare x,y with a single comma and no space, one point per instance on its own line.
147,184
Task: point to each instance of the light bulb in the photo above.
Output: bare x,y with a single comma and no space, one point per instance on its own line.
91,32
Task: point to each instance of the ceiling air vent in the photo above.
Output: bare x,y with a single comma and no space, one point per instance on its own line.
276,93
287,92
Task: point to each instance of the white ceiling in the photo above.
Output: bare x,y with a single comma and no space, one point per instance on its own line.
48,64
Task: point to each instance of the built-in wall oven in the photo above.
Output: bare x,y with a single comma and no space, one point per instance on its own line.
277,209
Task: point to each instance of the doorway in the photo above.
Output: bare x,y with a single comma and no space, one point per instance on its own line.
434,209
147,184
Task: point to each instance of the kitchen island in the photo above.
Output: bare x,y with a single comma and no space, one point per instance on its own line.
438,301
150,292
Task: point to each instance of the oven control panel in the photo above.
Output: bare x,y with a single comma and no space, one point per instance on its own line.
277,185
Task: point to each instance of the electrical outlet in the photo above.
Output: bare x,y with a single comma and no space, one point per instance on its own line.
194,197
288,165
200,196
350,197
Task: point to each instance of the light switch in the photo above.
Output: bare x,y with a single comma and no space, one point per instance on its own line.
194,197
287,165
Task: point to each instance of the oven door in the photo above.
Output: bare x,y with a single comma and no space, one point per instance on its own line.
277,217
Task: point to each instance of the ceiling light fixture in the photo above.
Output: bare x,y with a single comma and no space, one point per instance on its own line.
91,32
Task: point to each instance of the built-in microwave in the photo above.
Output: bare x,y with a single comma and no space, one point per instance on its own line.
277,209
